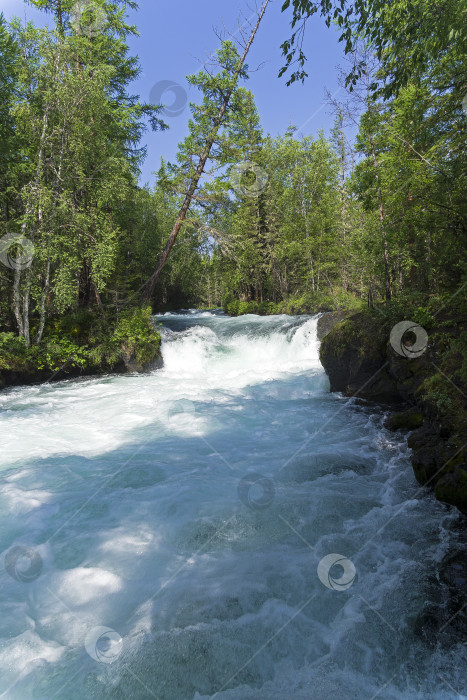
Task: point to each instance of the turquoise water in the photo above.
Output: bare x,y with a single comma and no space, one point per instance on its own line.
170,535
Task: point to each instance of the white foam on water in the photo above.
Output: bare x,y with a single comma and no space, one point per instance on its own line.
128,488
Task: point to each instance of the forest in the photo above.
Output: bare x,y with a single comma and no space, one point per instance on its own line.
274,224
233,401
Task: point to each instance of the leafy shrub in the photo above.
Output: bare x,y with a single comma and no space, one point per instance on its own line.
136,335
85,342
309,303
13,351
57,352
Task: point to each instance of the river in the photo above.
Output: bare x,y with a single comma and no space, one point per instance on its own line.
223,527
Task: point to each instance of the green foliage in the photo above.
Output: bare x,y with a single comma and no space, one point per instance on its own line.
413,307
73,164
280,243
136,336
57,352
406,36
331,225
306,304
84,343
13,351
436,391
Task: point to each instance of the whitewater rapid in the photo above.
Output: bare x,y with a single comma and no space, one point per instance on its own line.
222,527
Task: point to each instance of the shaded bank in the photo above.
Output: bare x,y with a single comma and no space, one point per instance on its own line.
428,391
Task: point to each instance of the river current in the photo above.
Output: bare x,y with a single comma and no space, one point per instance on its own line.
223,527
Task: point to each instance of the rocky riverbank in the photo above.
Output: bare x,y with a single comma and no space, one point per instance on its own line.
421,375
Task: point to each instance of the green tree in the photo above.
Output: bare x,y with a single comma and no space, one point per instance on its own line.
219,91
77,127
406,36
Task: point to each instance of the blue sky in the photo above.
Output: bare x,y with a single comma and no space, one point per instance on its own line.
177,37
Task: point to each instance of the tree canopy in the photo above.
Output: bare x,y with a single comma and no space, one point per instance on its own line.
284,222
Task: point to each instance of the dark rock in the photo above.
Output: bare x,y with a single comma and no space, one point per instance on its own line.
328,320
427,434
130,363
452,488
407,420
426,461
452,573
360,361
353,356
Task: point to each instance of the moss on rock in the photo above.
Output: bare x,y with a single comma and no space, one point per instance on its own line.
406,420
360,361
353,355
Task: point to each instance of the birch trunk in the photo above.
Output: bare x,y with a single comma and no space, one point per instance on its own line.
22,317
45,291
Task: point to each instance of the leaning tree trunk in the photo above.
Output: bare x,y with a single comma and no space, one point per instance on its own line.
151,283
